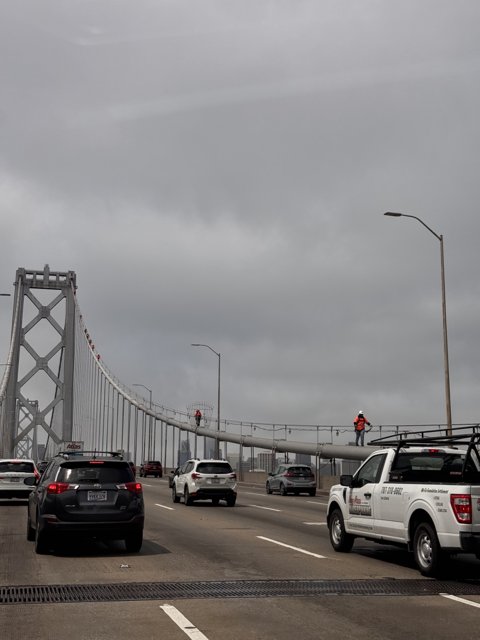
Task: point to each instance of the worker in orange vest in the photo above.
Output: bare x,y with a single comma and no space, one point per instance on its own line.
359,424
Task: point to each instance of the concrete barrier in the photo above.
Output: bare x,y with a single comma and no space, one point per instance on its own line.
328,481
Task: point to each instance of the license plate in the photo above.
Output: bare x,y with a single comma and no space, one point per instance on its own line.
215,480
14,479
96,496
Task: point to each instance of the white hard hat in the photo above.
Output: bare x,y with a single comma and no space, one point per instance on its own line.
360,412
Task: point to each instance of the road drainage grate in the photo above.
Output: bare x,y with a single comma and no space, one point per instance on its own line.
40,594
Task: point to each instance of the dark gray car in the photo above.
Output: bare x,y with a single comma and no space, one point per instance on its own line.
86,495
292,478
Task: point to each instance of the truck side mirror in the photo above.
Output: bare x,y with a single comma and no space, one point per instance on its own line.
346,480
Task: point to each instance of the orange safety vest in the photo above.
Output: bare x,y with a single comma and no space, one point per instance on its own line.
359,423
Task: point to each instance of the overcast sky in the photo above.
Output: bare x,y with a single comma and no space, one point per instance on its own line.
216,171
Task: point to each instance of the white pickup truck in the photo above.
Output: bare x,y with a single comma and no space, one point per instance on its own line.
423,492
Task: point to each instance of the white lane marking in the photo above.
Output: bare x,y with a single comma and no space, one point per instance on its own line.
288,546
183,623
250,493
462,600
146,485
257,506
320,524
164,507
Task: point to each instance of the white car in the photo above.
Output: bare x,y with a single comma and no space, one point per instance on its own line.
13,472
212,480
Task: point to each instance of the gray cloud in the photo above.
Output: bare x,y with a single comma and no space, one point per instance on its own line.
219,174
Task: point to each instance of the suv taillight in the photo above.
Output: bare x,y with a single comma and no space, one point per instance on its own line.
233,476
134,487
195,475
58,487
462,507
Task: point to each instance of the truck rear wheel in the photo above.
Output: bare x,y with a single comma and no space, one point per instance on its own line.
339,538
426,549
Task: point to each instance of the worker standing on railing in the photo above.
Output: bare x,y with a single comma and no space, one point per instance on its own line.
359,424
198,417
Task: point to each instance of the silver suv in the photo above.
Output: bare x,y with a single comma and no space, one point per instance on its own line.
292,478
212,480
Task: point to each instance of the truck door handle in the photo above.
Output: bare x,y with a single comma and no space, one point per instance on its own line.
367,495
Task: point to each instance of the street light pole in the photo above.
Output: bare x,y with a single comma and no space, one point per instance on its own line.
217,444
444,317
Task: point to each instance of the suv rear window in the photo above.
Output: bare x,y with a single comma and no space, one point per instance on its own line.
300,471
10,466
153,462
96,472
214,467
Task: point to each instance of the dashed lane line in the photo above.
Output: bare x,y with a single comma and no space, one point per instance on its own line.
251,493
461,600
288,546
183,623
164,506
257,506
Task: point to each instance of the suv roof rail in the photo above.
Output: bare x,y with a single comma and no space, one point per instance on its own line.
90,454
467,435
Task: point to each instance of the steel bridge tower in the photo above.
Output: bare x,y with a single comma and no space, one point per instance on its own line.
21,416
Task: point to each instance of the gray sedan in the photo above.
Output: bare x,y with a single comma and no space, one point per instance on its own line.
292,478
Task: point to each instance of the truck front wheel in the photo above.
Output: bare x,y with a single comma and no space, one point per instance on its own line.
426,549
339,538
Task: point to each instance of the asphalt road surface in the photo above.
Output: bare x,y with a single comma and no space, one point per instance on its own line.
262,570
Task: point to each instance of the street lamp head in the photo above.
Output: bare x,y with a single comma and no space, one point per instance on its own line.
394,215
138,384
197,344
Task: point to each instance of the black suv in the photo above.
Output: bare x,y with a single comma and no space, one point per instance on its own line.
89,495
